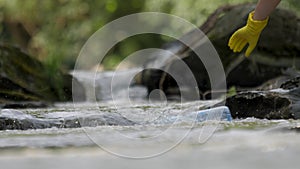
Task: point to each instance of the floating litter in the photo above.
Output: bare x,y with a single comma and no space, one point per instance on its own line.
221,113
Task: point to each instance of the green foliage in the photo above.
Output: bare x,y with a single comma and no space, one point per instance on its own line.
58,29
231,92
195,11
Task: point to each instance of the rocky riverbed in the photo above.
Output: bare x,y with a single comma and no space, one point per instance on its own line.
243,143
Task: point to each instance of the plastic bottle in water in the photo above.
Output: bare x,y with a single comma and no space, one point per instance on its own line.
221,113
217,113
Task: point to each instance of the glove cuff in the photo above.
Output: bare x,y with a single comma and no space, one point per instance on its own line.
256,26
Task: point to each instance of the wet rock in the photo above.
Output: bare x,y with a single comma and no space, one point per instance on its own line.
296,129
23,78
282,103
291,83
274,104
11,119
17,120
111,119
24,105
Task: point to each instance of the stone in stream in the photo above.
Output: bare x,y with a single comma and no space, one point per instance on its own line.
291,83
11,119
276,104
24,105
281,103
277,51
296,129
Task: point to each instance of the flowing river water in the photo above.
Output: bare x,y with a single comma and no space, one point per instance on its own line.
143,134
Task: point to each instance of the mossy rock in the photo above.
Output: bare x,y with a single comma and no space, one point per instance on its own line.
23,78
278,45
278,50
280,104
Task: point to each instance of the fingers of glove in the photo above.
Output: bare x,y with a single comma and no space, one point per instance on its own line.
232,41
236,46
241,45
250,49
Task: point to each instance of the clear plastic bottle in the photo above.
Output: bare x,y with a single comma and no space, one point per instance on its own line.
221,113
217,113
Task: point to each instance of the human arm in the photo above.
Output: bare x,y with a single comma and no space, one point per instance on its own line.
264,8
249,34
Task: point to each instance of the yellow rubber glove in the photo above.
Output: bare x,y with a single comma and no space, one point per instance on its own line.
248,34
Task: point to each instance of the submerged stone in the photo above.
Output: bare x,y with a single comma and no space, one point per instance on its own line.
11,119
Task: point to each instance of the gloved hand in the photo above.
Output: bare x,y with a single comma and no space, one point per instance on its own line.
248,34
